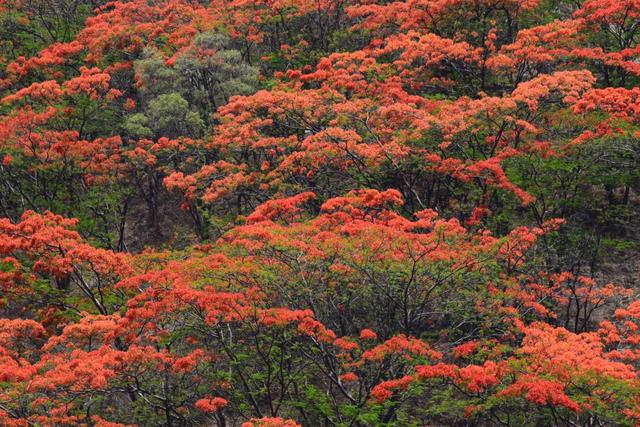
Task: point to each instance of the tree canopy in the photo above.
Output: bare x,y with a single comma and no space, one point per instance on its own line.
339,213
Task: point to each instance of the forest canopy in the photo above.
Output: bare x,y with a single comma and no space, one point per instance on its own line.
337,213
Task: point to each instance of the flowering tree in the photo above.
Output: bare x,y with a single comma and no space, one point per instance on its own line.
337,213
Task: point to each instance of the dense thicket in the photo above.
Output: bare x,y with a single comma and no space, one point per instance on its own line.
281,213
